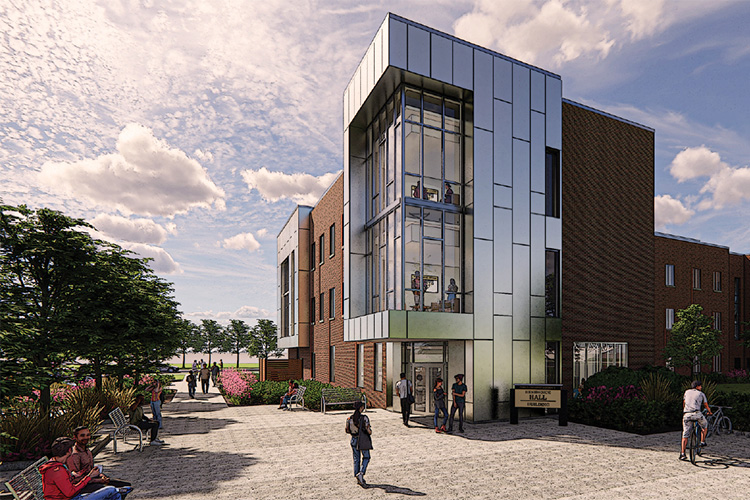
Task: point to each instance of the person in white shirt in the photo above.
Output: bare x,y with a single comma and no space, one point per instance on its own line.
691,411
404,389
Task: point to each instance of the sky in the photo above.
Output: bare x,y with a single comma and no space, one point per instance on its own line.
187,131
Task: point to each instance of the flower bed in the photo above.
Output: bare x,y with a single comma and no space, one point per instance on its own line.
241,387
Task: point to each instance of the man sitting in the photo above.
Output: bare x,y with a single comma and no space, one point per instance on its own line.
138,419
57,482
81,462
293,387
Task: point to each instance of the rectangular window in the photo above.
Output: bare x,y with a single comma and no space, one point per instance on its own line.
332,303
322,246
737,309
592,357
717,321
670,318
552,283
552,362
669,271
696,279
321,308
285,298
332,238
312,366
738,363
312,310
696,365
378,366
360,365
552,186
717,363
332,363
312,257
717,281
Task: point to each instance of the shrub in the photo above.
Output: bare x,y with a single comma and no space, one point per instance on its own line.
613,376
656,387
236,385
738,376
740,408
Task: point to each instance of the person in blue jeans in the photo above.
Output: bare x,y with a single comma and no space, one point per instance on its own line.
459,402
438,395
156,402
358,426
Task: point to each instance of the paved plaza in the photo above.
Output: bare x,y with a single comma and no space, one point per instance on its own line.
219,452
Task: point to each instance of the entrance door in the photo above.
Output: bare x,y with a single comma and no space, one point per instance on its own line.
423,378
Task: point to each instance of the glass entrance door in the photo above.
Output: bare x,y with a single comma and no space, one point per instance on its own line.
423,378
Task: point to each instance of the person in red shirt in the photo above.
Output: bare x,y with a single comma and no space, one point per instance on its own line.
57,481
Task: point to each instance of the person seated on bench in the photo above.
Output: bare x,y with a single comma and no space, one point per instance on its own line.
81,462
57,482
140,420
293,386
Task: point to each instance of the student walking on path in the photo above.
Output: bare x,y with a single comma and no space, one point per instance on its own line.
358,426
205,377
459,402
404,389
191,383
214,373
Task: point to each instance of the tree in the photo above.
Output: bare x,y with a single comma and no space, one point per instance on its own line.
693,339
210,337
187,338
237,338
263,340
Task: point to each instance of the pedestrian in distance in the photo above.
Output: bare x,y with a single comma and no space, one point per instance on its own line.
459,402
214,373
221,364
404,389
358,425
438,395
156,402
195,366
191,383
205,376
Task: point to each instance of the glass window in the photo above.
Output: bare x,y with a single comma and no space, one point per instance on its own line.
332,363
552,362
670,319
312,310
552,283
312,257
717,321
360,365
285,298
428,352
736,308
696,279
332,239
592,357
433,110
669,272
552,185
378,366
717,281
322,246
320,307
312,366
717,363
332,303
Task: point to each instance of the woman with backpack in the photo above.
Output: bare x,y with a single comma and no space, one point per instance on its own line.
358,426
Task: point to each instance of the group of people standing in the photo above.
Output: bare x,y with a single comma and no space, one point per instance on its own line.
405,391
205,374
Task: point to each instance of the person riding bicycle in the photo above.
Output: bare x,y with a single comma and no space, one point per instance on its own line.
691,411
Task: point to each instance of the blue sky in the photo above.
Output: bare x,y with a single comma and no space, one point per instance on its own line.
188,130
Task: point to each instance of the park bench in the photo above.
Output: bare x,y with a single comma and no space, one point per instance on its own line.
298,398
27,484
124,428
340,396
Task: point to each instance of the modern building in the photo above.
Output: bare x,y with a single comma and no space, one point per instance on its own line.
482,225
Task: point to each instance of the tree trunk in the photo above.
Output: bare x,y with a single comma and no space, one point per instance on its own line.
98,373
183,360
238,359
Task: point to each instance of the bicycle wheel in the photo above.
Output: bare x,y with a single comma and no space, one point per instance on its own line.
711,426
725,426
693,444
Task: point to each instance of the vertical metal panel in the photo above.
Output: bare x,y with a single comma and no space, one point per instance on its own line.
377,331
503,139
352,108
356,323
378,43
346,330
483,296
503,196
392,369
538,154
537,254
463,72
418,50
358,88
521,193
537,203
503,80
554,233
386,325
503,251
469,360
538,85
441,58
483,379
368,71
483,100
386,41
537,307
537,351
521,107
483,184
554,113
503,354
397,44
521,297
347,178
346,108
370,329
503,304
357,286
521,361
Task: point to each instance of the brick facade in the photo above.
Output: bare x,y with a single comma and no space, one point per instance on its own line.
608,228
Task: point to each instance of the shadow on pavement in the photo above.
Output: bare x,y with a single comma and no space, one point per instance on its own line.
396,489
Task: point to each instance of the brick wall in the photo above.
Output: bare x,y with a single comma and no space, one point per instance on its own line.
608,226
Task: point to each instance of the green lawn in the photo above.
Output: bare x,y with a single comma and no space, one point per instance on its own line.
245,366
743,388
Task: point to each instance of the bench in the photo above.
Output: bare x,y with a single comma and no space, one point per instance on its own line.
340,396
124,428
298,398
27,484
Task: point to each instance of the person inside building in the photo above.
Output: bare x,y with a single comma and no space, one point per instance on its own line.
451,296
416,289
57,481
81,462
691,412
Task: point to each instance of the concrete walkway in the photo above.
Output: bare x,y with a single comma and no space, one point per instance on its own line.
219,452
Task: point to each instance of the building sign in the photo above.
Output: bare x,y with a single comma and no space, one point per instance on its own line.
537,397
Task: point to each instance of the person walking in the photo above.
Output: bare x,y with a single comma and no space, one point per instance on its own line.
459,402
156,402
221,364
191,383
358,425
214,373
195,366
438,395
205,376
404,388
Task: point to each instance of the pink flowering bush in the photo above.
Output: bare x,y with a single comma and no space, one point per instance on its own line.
236,385
606,394
738,375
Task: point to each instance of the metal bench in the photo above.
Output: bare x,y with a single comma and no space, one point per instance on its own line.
341,396
298,398
124,428
27,484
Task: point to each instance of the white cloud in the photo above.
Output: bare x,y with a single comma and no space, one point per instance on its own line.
242,241
244,312
304,189
696,162
134,230
264,234
162,262
145,176
668,210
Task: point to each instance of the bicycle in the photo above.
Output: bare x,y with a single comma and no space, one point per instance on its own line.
694,442
718,422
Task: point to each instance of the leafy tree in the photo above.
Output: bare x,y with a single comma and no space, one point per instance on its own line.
263,340
237,338
210,337
693,339
187,338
